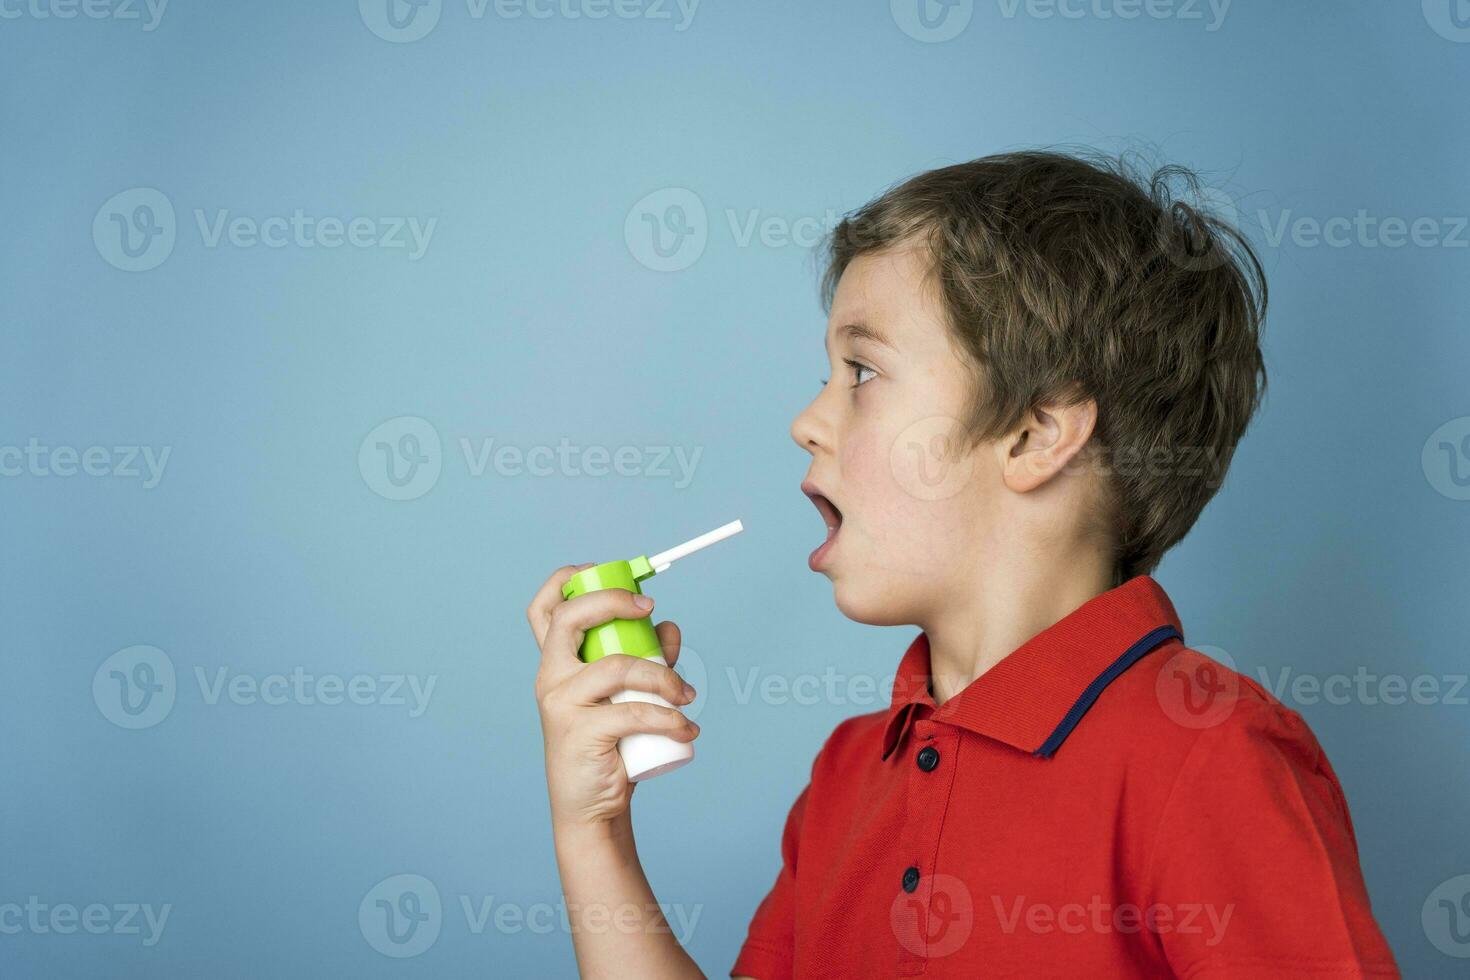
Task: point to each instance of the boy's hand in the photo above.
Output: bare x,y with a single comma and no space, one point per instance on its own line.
584,774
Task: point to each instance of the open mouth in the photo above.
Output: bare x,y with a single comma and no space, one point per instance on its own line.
831,516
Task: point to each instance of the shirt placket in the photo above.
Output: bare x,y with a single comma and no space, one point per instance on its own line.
929,752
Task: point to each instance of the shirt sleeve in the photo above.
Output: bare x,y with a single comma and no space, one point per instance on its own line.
1255,867
770,944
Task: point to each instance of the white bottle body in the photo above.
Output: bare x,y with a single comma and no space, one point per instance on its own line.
645,754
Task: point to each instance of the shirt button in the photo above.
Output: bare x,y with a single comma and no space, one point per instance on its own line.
928,758
911,879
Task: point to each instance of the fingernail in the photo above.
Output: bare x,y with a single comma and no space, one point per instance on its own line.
642,602
688,693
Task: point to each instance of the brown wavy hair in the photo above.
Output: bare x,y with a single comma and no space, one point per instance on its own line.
1067,276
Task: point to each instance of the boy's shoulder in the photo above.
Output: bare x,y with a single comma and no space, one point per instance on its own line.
1180,702
1172,704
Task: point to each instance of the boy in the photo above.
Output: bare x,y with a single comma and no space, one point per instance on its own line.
1041,368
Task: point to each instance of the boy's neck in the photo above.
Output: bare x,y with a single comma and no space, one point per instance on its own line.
1005,605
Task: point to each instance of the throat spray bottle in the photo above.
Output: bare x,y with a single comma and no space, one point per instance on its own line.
644,754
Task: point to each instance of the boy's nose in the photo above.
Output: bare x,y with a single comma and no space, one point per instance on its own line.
807,429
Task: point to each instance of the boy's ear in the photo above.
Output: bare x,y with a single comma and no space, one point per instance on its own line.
1047,439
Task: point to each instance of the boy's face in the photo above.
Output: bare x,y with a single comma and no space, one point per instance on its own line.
917,509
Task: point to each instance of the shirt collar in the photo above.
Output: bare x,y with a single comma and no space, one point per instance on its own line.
1035,696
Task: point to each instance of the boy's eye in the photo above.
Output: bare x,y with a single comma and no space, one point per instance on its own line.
857,370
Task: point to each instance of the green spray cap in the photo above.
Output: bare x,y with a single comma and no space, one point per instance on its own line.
635,637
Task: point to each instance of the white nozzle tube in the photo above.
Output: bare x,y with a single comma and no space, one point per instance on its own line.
664,559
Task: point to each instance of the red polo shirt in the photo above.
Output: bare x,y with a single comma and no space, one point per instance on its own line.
1104,802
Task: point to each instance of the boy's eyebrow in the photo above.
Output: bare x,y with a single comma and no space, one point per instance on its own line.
862,331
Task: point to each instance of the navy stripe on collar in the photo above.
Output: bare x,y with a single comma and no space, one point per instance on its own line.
1089,695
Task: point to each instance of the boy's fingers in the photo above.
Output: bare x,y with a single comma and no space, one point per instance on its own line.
547,598
569,622
669,639
620,672
613,721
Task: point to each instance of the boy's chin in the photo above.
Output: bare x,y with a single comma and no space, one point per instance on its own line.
868,605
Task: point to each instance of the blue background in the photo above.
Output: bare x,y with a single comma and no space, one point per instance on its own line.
532,318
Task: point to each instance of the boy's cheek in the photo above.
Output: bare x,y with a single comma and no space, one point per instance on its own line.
863,469
904,537
889,478
925,459
906,493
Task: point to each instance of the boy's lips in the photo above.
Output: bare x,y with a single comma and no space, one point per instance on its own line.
831,516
